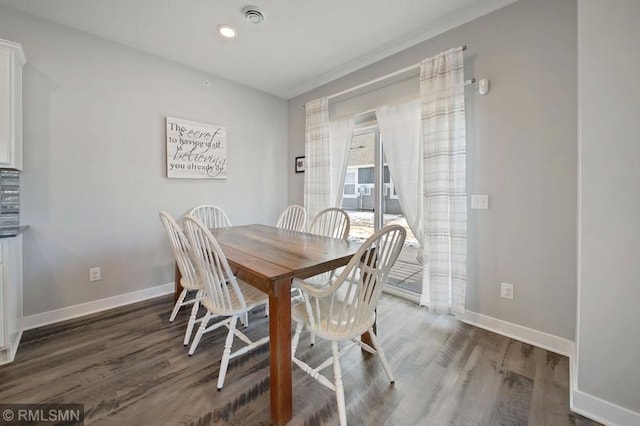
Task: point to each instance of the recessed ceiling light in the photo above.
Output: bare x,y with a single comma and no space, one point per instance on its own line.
227,31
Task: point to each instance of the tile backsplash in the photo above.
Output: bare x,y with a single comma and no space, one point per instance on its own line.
9,197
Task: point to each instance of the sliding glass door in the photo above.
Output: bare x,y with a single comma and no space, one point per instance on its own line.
371,200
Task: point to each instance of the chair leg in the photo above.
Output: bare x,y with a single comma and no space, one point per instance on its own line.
203,326
383,358
337,373
312,339
178,304
245,320
192,318
224,363
266,309
296,339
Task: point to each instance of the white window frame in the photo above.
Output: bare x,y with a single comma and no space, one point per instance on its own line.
355,184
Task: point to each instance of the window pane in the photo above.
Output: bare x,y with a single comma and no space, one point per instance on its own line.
349,189
350,177
365,175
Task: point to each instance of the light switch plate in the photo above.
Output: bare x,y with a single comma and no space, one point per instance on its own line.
480,202
95,274
506,291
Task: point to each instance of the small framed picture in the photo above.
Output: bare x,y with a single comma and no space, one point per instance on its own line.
300,164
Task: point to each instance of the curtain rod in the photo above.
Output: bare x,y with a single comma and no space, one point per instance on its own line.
384,77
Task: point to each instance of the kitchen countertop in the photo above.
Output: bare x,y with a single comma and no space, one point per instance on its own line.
12,231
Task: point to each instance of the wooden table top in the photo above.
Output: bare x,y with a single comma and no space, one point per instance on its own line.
274,253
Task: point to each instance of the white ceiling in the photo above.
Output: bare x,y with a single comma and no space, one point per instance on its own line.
300,45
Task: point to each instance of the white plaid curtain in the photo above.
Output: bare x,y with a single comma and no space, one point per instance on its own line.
327,153
317,157
444,183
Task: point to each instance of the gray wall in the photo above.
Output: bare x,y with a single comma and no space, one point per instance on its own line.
94,169
608,341
522,151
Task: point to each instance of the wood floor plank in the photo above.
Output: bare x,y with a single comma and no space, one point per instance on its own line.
520,359
128,366
475,393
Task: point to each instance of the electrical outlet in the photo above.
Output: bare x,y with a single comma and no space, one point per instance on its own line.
506,291
480,202
95,274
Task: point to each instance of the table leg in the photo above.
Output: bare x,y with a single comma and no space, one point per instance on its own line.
366,338
280,352
178,287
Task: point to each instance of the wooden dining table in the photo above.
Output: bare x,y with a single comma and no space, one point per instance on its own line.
269,259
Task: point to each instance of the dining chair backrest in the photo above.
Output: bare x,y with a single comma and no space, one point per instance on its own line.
293,218
220,285
331,222
346,308
211,216
180,248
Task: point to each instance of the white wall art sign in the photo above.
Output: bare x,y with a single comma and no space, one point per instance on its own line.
196,150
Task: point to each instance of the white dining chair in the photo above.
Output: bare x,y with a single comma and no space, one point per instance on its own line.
332,222
293,218
346,309
225,295
189,280
212,216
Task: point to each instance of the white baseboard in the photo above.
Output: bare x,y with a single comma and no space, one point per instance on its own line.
603,411
524,334
8,353
69,312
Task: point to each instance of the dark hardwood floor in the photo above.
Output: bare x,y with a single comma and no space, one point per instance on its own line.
128,367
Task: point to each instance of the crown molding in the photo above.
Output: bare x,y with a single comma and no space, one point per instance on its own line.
16,48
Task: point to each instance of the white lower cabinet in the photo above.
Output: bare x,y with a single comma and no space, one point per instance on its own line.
10,297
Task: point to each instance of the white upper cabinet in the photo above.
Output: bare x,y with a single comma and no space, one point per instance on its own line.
12,59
